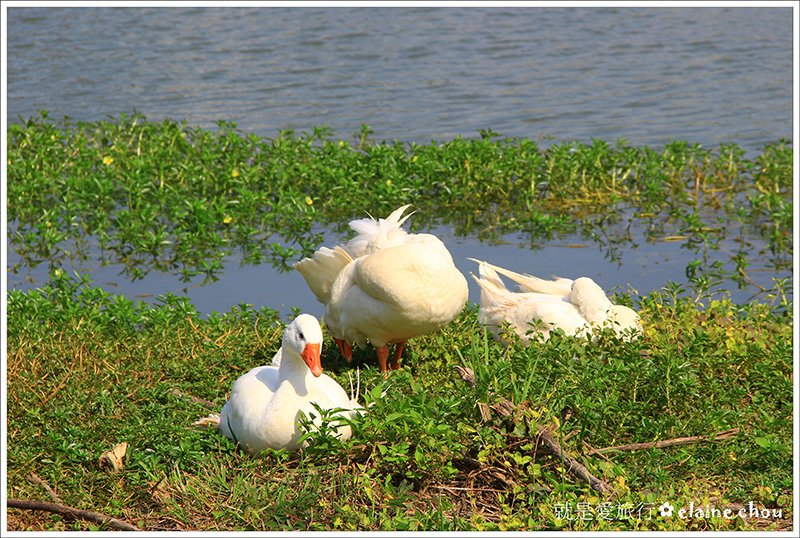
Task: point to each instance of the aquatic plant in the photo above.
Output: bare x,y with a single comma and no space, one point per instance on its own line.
170,197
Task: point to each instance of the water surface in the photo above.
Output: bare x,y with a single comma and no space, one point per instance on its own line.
708,75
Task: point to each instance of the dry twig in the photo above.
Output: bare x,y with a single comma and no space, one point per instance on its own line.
68,511
573,466
33,479
721,436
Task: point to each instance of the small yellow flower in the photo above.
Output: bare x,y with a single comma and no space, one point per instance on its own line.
108,160
58,272
235,172
388,182
228,219
309,201
341,143
414,158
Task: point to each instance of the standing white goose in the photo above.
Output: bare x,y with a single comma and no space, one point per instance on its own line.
265,403
575,306
385,286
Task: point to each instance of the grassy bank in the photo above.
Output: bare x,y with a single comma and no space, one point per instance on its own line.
88,370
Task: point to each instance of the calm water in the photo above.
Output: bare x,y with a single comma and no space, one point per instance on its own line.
707,75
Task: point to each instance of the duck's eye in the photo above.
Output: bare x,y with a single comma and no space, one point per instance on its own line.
300,334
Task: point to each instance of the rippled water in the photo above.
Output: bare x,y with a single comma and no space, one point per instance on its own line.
707,75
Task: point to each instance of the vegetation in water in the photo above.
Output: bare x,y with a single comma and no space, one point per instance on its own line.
88,370
170,197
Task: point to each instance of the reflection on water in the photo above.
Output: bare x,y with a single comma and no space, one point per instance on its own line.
623,261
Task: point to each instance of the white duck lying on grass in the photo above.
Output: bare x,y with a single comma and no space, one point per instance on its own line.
264,407
385,286
575,306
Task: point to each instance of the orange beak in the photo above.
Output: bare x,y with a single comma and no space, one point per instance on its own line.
311,354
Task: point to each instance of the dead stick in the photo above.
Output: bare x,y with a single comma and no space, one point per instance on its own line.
573,466
33,479
75,513
667,442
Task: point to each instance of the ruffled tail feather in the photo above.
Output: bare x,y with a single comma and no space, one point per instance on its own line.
378,234
320,270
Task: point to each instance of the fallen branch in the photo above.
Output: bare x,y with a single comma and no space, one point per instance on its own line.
506,408
573,466
667,442
33,479
68,511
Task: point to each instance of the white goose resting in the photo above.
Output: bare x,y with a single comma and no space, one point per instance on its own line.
385,286
265,403
575,306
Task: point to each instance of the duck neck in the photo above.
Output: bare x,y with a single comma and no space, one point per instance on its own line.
295,371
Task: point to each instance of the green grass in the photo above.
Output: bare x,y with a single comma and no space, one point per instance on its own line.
87,370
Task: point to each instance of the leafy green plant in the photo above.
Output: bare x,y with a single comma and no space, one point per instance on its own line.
170,197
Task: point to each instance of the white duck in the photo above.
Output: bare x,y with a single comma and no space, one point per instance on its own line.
575,306
264,406
385,286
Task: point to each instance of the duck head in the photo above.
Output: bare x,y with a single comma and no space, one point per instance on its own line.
303,339
590,299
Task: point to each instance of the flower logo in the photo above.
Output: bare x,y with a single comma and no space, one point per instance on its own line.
666,509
